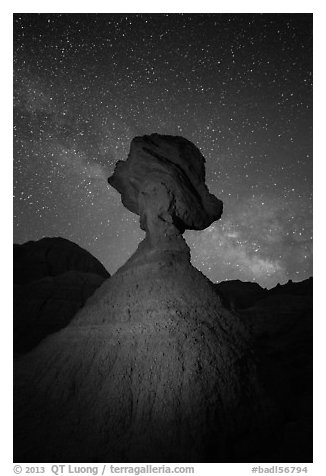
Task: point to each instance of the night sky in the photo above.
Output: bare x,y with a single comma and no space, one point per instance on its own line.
237,85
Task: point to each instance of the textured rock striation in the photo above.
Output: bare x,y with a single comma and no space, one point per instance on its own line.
153,368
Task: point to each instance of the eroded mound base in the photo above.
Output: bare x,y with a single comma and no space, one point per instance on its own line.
151,369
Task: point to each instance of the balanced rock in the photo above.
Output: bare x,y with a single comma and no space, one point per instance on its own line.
163,181
153,368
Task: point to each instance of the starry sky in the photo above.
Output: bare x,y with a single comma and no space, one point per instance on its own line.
237,85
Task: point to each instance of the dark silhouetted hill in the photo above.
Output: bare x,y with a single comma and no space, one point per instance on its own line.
239,294
281,323
243,294
50,257
53,278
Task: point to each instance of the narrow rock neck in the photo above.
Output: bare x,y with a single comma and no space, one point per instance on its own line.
159,248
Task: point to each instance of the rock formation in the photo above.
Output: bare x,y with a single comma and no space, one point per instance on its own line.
53,278
153,368
163,181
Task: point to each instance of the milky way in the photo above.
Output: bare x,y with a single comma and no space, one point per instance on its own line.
239,86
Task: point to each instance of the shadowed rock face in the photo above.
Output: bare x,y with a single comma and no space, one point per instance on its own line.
281,324
280,321
153,368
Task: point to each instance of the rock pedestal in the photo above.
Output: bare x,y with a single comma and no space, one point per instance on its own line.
153,368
